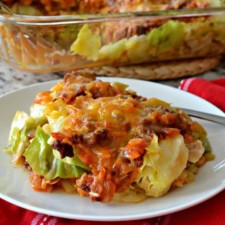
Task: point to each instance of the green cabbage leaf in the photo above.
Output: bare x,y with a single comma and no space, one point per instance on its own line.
22,125
41,159
163,162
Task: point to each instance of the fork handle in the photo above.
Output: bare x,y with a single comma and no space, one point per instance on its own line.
205,116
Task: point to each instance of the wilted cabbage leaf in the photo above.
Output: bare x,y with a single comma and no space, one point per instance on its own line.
87,43
21,126
163,162
41,159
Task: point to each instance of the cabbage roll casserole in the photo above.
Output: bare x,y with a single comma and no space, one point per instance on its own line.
104,141
96,33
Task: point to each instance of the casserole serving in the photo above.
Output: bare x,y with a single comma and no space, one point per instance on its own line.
106,142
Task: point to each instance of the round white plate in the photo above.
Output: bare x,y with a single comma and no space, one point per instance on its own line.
14,182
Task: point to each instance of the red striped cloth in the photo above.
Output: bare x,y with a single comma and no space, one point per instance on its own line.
210,212
213,91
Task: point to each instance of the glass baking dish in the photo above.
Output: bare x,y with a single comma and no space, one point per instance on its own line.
59,43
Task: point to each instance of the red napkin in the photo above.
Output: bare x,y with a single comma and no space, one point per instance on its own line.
213,91
210,212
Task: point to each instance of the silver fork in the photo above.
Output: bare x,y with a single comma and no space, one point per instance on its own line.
205,116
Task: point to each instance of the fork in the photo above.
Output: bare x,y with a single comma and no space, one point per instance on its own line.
205,116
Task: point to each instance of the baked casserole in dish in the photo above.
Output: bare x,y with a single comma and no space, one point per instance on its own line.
45,36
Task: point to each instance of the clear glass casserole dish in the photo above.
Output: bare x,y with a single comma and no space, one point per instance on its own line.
57,43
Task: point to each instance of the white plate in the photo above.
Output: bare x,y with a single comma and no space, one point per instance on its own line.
15,187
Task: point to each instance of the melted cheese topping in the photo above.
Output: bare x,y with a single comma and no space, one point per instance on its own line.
112,130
